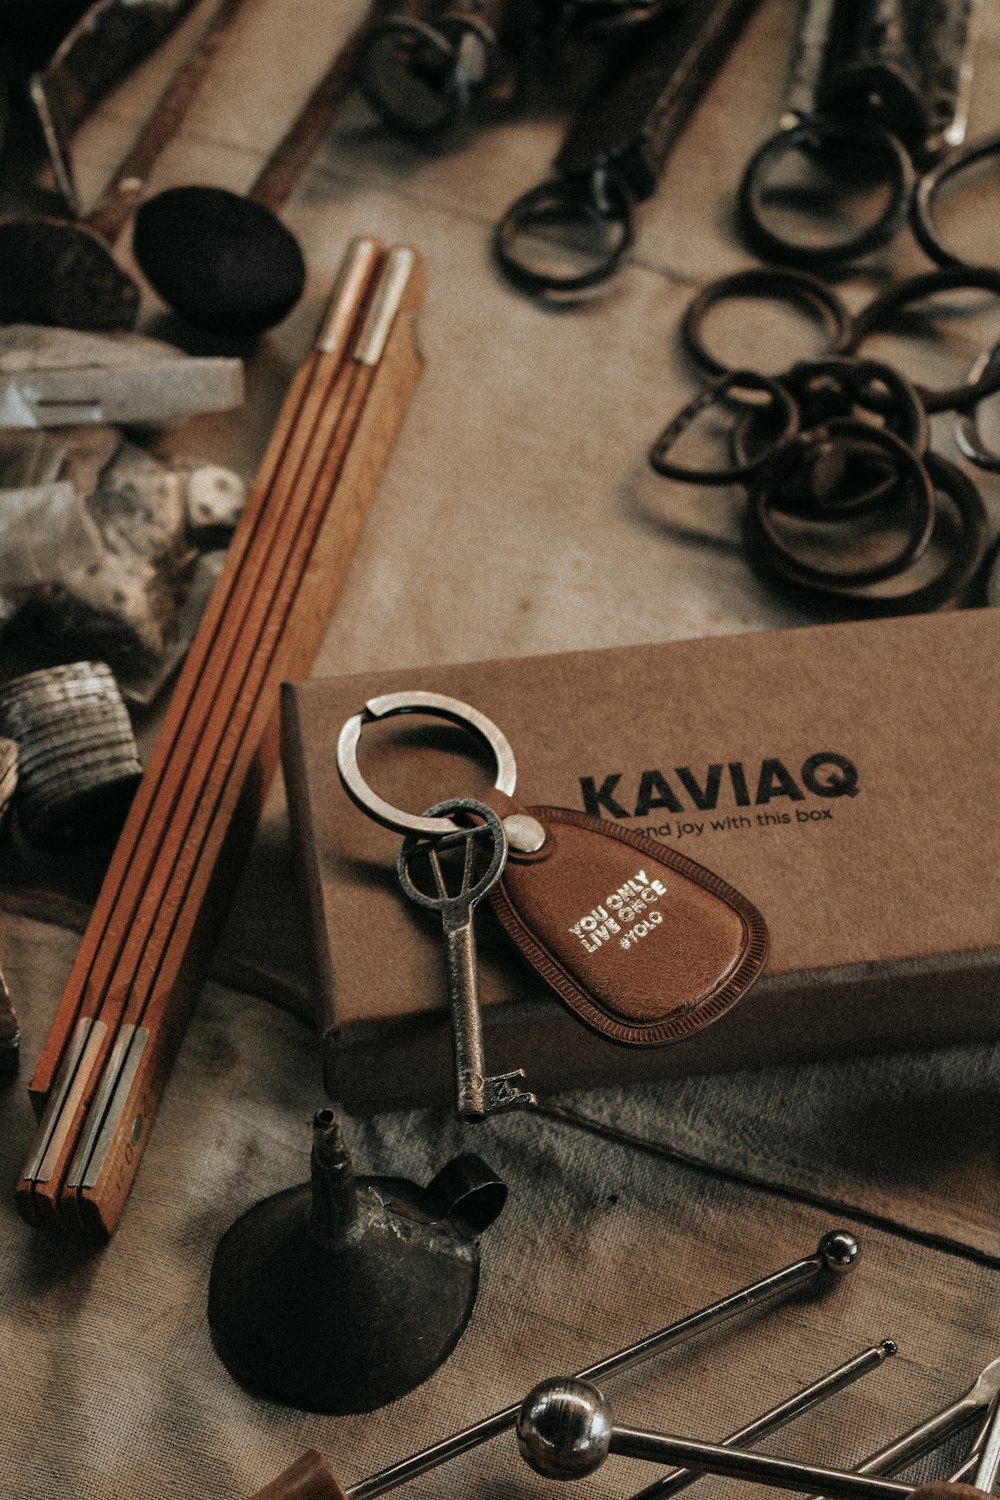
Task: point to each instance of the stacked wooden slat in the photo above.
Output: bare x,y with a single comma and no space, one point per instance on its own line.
128,996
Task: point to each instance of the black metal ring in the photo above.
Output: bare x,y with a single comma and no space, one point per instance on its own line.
781,403
902,414
765,498
846,500
961,567
810,504
948,278
565,197
782,284
926,192
385,107
967,434
818,130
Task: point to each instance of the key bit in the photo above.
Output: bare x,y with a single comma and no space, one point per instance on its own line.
503,1091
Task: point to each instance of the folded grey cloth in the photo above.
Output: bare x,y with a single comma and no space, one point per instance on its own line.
909,1140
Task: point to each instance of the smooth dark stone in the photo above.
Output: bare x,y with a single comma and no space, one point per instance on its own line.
220,260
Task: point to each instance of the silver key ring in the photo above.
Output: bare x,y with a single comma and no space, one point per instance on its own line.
967,434
438,706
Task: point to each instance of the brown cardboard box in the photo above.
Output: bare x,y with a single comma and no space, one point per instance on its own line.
842,776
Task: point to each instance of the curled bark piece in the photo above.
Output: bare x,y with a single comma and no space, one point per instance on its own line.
78,765
8,775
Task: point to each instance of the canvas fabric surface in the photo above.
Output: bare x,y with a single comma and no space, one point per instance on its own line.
111,1390
516,517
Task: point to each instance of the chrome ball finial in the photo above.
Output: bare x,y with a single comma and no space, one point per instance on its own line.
838,1250
564,1428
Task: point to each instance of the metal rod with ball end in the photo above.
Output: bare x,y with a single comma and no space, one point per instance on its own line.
565,1430
310,1478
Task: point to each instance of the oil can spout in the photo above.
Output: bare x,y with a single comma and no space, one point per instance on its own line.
334,1187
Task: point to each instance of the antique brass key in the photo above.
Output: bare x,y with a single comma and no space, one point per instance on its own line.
477,1094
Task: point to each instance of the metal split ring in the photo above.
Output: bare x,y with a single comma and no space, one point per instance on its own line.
766,498
764,281
436,705
927,190
870,384
824,389
879,311
967,434
557,201
846,333
963,561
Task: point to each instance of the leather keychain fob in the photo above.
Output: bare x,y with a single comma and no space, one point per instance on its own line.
643,944
640,942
